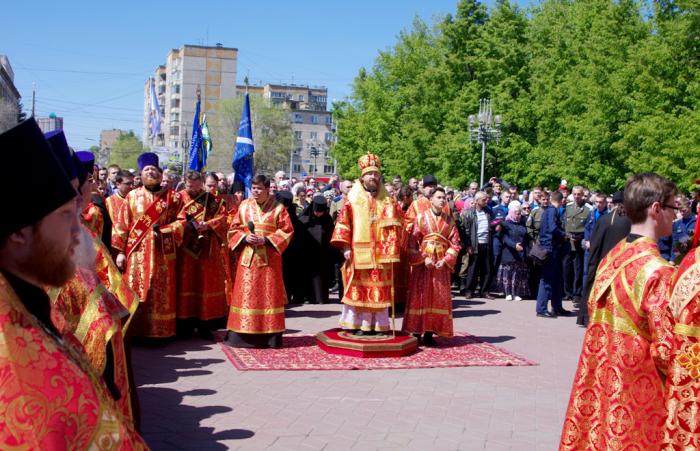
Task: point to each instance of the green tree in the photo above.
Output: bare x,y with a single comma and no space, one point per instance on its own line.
126,150
272,134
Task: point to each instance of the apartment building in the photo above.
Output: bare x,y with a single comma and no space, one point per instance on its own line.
212,70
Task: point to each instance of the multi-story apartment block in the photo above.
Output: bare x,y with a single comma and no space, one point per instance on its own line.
107,140
9,96
51,123
212,70
312,125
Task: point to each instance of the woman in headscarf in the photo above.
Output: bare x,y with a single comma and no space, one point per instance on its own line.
512,274
317,225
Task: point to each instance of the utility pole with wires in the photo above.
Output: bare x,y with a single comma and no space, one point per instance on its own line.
33,98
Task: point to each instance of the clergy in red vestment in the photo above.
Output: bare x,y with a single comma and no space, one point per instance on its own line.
422,203
433,249
368,231
201,295
617,399
125,182
146,236
682,429
50,397
230,257
261,231
402,269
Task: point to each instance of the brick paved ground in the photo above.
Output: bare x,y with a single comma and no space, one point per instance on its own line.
193,398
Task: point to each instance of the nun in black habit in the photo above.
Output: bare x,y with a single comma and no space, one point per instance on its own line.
319,254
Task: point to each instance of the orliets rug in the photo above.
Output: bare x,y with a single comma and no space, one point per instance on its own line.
300,353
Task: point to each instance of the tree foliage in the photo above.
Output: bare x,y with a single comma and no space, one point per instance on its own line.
126,150
272,134
590,91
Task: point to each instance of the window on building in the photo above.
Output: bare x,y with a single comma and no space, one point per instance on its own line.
329,120
328,137
176,89
175,103
175,130
175,117
312,169
314,119
296,167
327,169
297,134
297,151
301,97
313,135
298,118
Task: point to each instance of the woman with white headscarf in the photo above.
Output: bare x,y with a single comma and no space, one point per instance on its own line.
513,272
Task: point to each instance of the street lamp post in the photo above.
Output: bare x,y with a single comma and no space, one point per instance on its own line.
314,153
484,128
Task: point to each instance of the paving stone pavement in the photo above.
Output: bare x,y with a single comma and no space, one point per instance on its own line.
192,398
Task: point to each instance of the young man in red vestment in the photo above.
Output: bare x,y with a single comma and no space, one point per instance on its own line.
124,182
617,399
147,235
201,296
433,248
68,405
682,430
260,231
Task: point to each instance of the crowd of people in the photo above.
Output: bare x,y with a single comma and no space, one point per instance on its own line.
95,258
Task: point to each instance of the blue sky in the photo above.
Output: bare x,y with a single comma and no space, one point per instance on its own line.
89,60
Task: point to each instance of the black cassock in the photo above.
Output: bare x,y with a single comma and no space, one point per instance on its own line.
319,255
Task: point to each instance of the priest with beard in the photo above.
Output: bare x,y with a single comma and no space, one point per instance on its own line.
201,296
37,363
261,231
368,232
147,236
83,309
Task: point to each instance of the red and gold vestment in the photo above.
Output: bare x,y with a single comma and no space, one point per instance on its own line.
200,265
372,228
682,429
429,307
50,397
258,300
230,257
114,205
93,219
150,256
617,399
85,311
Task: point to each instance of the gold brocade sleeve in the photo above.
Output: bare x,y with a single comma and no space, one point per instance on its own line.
659,317
238,230
455,246
415,238
122,224
283,235
174,225
342,233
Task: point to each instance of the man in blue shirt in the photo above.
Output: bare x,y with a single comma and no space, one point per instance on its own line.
683,229
552,237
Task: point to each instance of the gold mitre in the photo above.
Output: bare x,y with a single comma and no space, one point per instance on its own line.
369,162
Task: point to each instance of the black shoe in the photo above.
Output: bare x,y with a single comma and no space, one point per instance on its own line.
428,340
547,315
467,294
488,296
205,333
563,312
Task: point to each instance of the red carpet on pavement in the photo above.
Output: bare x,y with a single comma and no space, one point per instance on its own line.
300,353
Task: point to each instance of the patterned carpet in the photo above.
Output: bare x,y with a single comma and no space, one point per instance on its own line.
300,353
